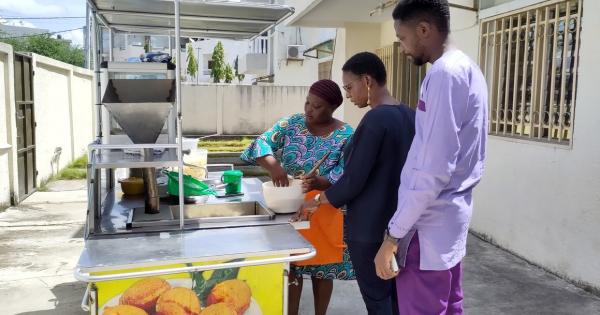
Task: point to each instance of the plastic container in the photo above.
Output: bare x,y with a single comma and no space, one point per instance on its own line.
233,179
191,186
132,186
283,199
197,160
190,144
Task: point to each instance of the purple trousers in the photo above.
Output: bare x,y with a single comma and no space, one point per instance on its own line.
422,292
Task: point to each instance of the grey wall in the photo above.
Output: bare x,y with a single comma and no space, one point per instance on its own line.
238,109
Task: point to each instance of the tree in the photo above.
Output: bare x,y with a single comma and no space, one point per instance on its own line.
218,63
240,76
229,73
146,44
192,62
50,47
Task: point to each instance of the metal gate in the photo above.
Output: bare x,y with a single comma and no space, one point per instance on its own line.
25,119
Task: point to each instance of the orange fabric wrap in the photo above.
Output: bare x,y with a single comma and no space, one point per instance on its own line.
325,234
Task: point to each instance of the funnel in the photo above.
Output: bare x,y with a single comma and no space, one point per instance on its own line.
140,107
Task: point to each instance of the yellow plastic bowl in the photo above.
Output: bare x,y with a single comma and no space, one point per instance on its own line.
132,186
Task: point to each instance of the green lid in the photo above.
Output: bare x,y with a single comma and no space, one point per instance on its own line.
233,173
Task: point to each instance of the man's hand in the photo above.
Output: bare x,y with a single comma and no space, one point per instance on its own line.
383,260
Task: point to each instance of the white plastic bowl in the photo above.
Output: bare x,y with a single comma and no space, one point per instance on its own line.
283,199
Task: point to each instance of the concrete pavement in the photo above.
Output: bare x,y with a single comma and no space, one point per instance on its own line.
41,239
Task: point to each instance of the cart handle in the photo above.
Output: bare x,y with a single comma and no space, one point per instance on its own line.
85,302
86,277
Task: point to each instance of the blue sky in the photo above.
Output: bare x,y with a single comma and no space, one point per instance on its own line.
47,8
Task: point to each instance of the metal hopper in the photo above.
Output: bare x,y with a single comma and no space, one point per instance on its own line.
140,107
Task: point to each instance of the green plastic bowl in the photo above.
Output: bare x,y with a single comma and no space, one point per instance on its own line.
191,186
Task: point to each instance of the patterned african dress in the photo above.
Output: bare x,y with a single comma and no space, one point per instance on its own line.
290,142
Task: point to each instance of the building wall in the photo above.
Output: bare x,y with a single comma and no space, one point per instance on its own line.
52,114
63,97
302,73
336,68
83,110
6,123
200,108
464,32
238,109
63,101
388,34
358,37
542,201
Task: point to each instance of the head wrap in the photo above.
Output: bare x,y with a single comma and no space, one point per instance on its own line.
329,91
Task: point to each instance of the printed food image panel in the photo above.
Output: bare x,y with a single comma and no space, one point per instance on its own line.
255,290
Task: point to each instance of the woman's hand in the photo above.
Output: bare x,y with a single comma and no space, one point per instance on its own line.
305,211
314,183
308,184
279,177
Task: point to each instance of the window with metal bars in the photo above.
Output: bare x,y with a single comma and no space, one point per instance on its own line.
403,77
529,59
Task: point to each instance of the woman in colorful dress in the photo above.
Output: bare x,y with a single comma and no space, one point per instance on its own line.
294,145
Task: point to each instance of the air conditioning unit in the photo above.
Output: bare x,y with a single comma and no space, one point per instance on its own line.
295,52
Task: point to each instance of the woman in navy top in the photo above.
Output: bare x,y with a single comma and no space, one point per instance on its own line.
369,185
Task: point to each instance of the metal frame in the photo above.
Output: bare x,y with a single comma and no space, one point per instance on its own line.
158,29
539,109
89,302
26,82
85,301
184,17
318,49
167,28
87,277
100,17
179,121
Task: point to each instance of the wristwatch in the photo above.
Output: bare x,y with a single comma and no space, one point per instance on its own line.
388,237
318,199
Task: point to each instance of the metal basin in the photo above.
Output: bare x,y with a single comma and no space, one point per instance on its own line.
225,212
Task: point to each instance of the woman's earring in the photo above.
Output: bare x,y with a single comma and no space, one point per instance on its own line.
368,95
